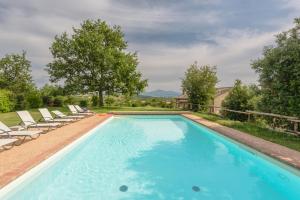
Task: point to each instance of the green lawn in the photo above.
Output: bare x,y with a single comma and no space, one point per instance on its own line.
12,119
146,108
251,128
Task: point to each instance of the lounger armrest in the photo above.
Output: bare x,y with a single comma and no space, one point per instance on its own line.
25,126
5,132
29,122
47,119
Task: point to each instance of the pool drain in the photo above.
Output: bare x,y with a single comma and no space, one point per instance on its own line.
196,189
123,188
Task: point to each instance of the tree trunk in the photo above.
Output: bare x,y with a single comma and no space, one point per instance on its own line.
101,100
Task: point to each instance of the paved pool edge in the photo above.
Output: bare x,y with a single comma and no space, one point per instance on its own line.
149,112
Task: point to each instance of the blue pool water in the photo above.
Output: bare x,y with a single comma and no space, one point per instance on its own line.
160,157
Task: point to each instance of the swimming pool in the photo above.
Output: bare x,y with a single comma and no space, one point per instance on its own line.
158,157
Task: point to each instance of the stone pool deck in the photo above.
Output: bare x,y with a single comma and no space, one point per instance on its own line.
281,153
20,159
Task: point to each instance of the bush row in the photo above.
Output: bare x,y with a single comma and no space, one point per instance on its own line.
11,102
139,102
36,99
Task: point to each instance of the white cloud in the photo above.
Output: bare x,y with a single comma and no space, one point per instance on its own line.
294,4
32,24
232,55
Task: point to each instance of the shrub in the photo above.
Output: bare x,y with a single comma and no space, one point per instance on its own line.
169,104
238,99
52,90
83,103
21,103
135,103
95,100
34,99
109,100
162,104
6,101
48,100
58,101
144,103
69,100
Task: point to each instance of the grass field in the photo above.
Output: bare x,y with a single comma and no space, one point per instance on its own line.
251,128
284,139
147,108
11,118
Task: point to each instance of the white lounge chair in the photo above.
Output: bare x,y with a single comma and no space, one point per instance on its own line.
75,112
29,122
80,110
49,118
6,131
7,143
63,116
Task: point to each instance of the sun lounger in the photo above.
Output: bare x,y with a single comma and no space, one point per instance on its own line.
6,131
75,112
49,118
29,122
63,116
81,110
7,143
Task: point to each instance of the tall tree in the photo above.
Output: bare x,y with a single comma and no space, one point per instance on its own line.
15,73
93,58
279,73
199,84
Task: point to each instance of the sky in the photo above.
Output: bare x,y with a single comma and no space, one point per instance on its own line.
168,35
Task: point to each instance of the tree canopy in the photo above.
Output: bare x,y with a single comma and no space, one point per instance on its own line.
279,73
15,73
199,84
94,58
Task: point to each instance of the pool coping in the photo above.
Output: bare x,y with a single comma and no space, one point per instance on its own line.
82,129
149,112
278,152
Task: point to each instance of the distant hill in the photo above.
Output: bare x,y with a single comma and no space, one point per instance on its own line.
160,93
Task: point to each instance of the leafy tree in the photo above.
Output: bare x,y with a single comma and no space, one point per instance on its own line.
279,73
93,58
199,84
34,99
15,73
240,99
